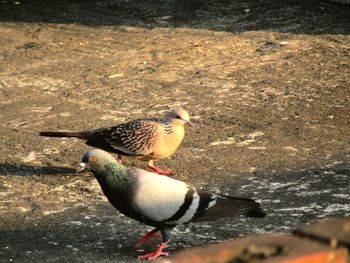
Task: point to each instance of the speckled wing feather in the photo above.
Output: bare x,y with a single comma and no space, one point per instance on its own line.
135,138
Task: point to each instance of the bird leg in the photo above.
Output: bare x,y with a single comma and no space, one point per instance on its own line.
119,158
158,252
158,170
146,238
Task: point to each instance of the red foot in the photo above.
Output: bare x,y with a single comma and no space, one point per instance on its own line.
159,252
146,238
120,159
160,171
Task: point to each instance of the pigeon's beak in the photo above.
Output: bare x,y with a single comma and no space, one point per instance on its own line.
81,168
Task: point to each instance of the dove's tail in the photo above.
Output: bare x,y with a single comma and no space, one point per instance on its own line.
82,135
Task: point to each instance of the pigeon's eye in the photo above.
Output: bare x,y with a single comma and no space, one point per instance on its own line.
178,117
93,159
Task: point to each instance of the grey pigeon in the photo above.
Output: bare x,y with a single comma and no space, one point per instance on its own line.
160,201
142,139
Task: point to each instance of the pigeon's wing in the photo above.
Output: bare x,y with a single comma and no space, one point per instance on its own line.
163,199
135,138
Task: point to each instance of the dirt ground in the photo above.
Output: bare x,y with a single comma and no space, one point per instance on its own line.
267,84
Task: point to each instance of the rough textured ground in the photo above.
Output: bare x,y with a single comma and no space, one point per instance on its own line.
266,82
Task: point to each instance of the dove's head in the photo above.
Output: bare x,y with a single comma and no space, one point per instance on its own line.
96,160
178,117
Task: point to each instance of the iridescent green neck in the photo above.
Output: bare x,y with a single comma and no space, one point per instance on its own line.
112,175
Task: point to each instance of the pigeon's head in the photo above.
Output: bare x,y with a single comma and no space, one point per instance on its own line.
95,160
179,117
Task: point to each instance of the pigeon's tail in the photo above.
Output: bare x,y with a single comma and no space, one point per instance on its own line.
216,206
82,135
256,212
245,206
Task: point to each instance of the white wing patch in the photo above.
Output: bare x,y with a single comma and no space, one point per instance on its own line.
213,202
159,197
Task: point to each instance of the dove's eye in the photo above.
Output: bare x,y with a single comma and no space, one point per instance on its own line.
93,159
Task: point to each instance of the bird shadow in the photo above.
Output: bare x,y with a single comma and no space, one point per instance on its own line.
310,17
28,170
91,235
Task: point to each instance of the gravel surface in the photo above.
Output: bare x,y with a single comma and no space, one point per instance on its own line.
266,83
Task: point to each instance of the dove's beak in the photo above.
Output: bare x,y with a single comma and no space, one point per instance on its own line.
81,168
189,123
